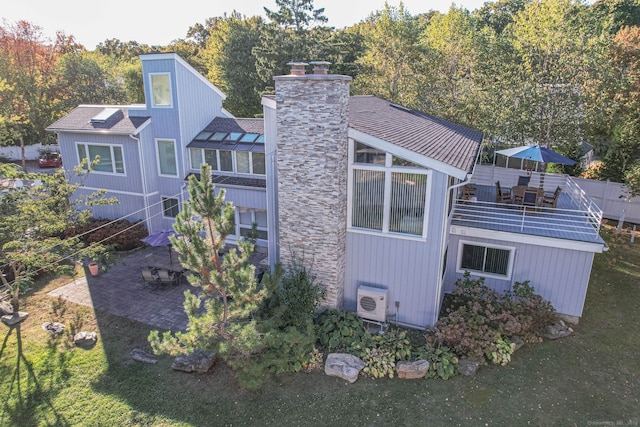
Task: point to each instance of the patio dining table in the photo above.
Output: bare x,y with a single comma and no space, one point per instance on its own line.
519,190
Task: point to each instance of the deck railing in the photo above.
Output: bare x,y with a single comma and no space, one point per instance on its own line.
568,223
585,216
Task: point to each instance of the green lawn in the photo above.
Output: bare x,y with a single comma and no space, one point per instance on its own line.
587,379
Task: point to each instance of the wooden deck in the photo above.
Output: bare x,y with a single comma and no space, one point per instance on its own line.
568,221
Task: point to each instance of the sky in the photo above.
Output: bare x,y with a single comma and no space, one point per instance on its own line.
154,23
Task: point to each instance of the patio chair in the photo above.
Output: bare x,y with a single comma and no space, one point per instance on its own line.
166,276
531,198
503,195
468,191
551,200
523,180
149,276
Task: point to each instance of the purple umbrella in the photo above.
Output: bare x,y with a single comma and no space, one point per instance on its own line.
161,238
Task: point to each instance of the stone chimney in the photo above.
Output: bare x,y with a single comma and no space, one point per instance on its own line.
312,119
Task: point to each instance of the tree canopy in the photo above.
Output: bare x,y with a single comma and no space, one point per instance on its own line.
555,72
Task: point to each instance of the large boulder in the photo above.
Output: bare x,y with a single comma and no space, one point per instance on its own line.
54,328
412,370
142,356
85,339
343,365
14,319
198,361
468,367
557,330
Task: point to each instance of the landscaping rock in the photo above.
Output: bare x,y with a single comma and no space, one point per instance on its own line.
412,370
15,318
198,361
54,328
517,341
5,308
85,339
343,365
142,356
468,367
557,330
566,318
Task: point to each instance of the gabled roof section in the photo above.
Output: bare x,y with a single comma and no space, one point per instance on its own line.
82,119
438,139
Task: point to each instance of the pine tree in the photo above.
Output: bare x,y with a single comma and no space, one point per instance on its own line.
220,315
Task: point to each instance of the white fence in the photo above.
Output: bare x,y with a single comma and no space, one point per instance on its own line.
609,196
31,152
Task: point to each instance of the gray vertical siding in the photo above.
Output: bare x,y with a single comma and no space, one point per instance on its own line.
271,137
245,197
409,269
560,276
129,182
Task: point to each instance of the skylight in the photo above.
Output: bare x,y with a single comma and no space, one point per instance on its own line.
233,136
249,137
218,136
203,136
104,115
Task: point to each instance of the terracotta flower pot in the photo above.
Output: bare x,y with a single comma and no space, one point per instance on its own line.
93,268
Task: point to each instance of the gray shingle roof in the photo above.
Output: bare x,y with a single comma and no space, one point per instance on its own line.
227,124
79,119
422,133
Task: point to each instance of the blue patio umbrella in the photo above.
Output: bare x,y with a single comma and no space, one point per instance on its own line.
161,238
536,153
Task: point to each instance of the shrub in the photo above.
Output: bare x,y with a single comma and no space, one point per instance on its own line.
340,330
293,297
287,321
479,321
381,352
121,235
442,361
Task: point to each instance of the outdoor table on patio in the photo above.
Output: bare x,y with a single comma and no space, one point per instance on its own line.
518,192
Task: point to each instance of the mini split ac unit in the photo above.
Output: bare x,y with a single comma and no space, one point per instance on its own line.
372,303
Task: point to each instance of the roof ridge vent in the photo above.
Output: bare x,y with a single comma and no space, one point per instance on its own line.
104,115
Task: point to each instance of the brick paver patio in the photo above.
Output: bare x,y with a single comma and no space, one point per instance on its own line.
122,291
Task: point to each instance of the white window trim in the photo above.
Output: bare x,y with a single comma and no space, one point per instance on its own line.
89,160
511,250
388,169
253,220
162,199
234,162
175,154
154,105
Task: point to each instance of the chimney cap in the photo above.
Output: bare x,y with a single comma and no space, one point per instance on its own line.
297,68
320,67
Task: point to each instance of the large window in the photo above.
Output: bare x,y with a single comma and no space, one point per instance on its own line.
160,90
170,207
245,220
167,162
110,157
387,195
489,260
246,162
